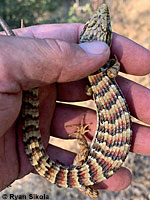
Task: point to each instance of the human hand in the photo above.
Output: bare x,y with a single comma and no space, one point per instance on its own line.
47,62
26,63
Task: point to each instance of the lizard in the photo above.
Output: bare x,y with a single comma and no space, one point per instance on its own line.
112,139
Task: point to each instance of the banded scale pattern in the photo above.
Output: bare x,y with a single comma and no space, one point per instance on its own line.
111,143
113,135
112,139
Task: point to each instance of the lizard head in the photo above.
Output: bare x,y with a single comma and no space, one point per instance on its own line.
98,28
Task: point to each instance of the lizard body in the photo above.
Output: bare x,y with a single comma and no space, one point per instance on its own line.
112,139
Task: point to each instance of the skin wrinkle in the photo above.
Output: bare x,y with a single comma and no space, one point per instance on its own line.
66,67
8,74
27,68
8,85
42,53
23,62
58,51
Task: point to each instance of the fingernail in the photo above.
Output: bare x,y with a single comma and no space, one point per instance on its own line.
94,47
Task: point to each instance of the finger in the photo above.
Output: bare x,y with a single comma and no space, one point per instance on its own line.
47,61
120,180
135,94
140,139
131,55
128,52
60,155
67,32
138,98
134,58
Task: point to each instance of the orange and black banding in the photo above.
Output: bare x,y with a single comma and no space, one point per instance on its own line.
112,139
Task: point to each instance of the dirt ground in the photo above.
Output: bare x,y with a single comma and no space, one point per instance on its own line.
130,18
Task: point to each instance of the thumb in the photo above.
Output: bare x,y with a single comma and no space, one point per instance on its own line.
76,61
38,61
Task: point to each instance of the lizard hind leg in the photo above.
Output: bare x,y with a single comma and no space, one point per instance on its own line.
83,153
81,130
112,72
88,90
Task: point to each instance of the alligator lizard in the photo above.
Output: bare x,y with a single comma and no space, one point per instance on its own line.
112,139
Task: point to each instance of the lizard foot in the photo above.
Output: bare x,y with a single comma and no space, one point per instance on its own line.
81,129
